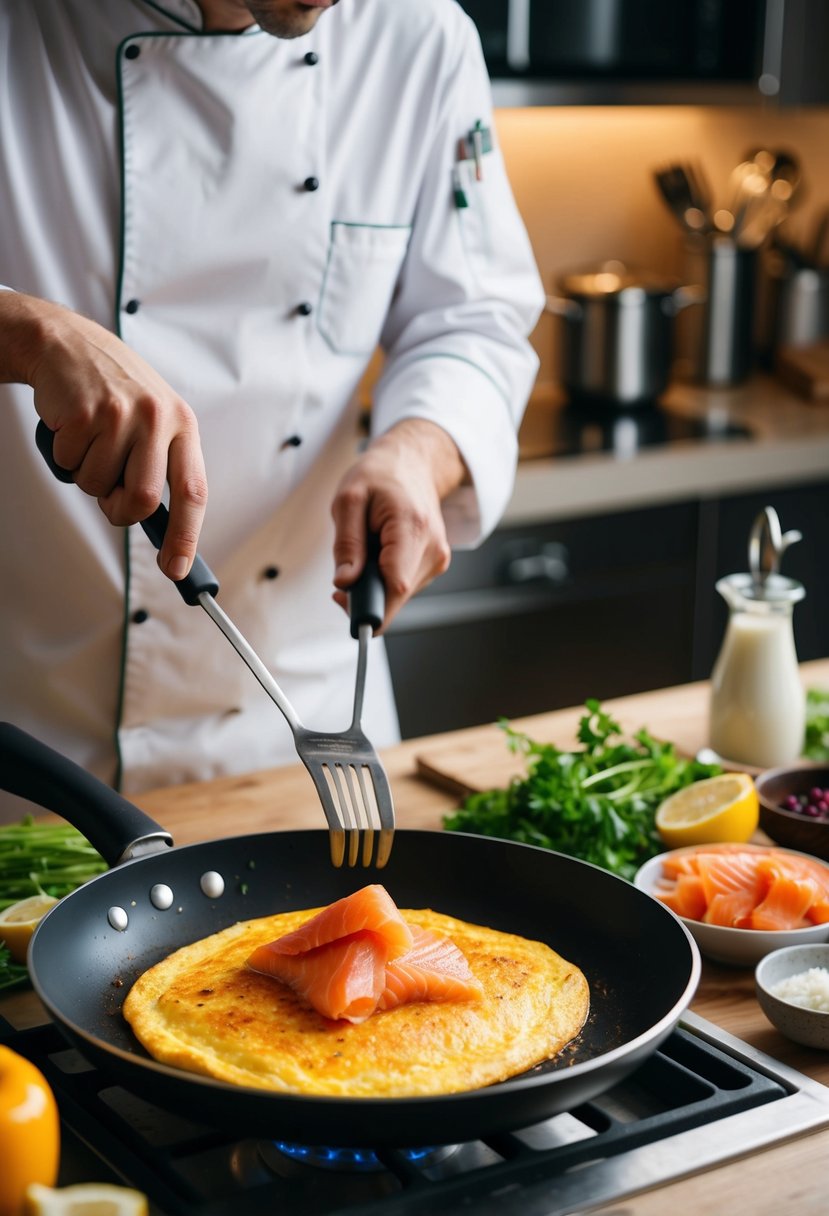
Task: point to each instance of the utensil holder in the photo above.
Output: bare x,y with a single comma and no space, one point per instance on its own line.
800,305
722,340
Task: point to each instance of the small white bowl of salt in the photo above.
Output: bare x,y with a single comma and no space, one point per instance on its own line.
793,991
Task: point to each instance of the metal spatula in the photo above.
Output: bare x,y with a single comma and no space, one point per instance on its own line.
349,777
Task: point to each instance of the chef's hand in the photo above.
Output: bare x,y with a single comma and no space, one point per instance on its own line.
120,428
395,489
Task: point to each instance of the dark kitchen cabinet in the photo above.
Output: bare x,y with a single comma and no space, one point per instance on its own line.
717,52
542,617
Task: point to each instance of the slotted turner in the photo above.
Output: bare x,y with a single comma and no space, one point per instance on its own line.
349,777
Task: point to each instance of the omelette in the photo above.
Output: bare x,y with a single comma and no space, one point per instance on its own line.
206,1009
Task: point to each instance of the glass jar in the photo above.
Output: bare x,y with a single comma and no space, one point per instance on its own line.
758,704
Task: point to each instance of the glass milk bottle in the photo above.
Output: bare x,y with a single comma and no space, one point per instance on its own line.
758,705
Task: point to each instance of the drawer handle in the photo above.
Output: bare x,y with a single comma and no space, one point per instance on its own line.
548,565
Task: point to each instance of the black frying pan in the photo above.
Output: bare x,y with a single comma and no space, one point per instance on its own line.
641,963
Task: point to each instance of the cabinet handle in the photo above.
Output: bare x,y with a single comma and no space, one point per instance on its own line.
550,564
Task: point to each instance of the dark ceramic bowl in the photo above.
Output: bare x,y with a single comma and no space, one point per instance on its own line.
790,828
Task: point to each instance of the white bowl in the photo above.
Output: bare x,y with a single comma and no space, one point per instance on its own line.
807,1026
737,947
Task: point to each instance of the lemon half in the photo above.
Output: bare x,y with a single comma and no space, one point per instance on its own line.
85,1199
19,921
723,808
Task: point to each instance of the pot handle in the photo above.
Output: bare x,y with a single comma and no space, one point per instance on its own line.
561,306
113,826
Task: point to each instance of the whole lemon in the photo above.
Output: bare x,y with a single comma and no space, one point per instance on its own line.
29,1131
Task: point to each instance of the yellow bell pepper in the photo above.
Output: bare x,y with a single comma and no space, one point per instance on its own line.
29,1131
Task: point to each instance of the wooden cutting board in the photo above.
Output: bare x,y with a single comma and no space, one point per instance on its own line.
806,369
481,760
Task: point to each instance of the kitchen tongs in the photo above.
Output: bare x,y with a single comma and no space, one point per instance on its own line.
350,779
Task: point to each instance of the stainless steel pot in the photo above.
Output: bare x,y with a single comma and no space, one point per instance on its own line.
617,333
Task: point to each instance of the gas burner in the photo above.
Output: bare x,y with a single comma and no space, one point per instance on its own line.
277,1153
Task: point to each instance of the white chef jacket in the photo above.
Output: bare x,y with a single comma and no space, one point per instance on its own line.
254,216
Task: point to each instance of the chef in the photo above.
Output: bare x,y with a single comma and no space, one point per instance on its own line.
214,217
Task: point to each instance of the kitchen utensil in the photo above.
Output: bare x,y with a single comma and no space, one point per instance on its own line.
735,947
807,1026
617,334
685,190
348,774
792,828
641,963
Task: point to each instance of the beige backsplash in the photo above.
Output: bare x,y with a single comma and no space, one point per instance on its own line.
582,177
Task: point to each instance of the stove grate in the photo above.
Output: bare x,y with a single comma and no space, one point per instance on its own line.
190,1170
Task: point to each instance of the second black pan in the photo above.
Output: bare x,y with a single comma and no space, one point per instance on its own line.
640,961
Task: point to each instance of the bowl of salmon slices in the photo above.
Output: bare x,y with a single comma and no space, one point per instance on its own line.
741,901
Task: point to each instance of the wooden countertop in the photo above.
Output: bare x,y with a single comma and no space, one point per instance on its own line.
787,1178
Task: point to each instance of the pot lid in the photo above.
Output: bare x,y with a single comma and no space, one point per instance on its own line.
612,279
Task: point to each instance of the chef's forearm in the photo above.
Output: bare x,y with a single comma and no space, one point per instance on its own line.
26,324
430,444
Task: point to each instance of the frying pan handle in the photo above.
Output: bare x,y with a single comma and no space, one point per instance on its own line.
367,597
200,579
116,828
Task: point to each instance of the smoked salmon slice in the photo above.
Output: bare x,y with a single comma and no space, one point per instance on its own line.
342,979
369,908
745,887
358,956
433,970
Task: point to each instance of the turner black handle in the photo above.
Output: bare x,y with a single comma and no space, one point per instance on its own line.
367,597
201,578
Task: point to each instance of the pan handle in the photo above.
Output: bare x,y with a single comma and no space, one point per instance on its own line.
116,828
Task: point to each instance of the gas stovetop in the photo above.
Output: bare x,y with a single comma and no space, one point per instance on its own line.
583,427
701,1099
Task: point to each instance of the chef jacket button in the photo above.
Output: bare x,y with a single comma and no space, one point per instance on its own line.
305,309
132,51
311,58
132,306
293,441
271,572
311,183
140,616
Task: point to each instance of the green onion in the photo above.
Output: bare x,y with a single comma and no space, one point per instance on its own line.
44,859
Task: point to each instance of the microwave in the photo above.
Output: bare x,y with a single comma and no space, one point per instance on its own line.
719,51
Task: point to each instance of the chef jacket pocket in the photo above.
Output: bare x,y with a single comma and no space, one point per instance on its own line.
364,261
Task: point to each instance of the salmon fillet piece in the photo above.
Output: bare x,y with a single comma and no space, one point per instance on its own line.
343,979
358,956
370,908
433,970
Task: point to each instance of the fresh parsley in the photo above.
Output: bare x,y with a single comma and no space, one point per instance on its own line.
596,803
12,975
816,741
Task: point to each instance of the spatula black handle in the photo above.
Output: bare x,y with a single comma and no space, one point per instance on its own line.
367,597
200,579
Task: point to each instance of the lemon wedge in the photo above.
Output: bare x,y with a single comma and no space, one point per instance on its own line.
723,808
85,1199
19,921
